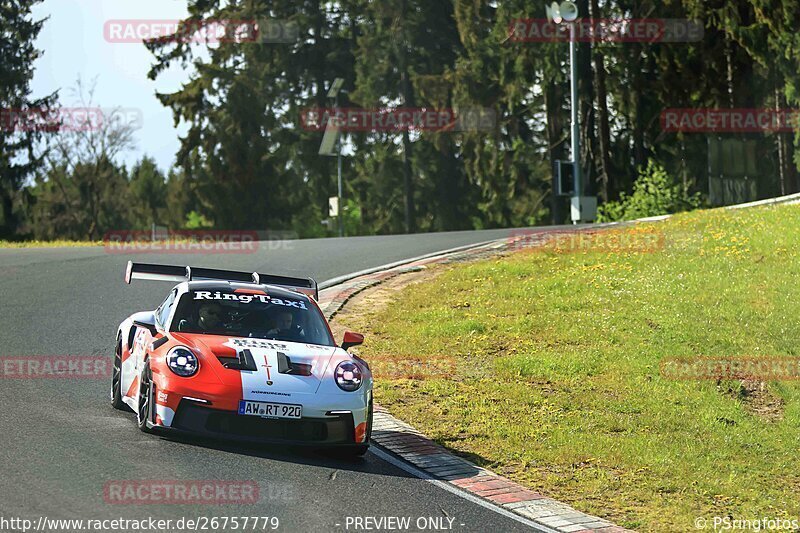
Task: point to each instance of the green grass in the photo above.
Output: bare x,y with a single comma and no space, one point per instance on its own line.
553,362
48,244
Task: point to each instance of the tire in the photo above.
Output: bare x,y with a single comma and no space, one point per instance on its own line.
144,412
116,379
369,424
348,452
359,451
354,452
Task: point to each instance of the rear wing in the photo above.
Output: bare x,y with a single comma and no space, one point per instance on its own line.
178,274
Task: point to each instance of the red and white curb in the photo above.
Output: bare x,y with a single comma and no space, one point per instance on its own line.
413,447
332,298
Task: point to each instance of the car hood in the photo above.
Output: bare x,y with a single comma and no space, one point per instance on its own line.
280,366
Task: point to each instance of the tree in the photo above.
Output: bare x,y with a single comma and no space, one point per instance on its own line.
18,160
508,164
148,195
84,188
83,201
407,50
250,163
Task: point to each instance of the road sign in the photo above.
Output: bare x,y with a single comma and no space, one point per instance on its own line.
564,177
333,206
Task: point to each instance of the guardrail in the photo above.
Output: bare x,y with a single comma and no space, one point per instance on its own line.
788,199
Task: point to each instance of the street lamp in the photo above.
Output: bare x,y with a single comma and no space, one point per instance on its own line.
584,208
333,135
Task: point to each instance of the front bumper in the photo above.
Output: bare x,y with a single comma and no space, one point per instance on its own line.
195,419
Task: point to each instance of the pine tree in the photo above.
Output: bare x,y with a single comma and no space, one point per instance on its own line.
250,163
18,157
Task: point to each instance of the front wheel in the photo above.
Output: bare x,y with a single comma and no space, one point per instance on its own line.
360,450
348,452
144,413
116,379
352,452
369,422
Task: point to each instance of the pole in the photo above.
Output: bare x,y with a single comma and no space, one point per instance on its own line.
576,134
341,207
339,179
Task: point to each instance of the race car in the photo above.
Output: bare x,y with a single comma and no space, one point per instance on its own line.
241,355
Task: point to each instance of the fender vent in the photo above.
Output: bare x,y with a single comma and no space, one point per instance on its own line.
159,343
131,335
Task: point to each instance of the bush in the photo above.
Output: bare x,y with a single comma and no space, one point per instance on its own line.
654,193
195,220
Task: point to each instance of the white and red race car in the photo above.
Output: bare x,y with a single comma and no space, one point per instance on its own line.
241,355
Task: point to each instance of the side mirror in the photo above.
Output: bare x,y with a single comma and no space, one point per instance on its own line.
351,339
146,322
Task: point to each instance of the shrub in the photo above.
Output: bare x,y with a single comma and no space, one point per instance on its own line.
654,193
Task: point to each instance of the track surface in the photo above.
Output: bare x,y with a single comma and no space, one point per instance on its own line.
61,440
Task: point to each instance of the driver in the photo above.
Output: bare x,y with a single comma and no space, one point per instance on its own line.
210,316
284,325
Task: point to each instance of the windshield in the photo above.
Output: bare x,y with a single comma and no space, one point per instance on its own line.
250,313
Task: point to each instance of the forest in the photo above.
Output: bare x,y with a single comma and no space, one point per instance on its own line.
248,161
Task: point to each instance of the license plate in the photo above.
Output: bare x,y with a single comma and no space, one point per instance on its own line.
270,410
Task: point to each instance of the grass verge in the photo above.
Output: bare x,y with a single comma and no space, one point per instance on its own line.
545,367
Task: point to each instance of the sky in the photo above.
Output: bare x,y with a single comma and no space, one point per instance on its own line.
75,45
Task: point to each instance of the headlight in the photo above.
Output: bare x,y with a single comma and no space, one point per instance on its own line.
182,362
348,376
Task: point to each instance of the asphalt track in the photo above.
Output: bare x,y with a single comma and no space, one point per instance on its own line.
60,440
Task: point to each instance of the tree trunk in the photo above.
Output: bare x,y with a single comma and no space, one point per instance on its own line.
407,184
553,96
408,101
7,205
639,156
606,188
791,168
587,116
781,149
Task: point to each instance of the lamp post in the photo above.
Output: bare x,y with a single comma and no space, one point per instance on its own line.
333,134
583,208
575,119
333,92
